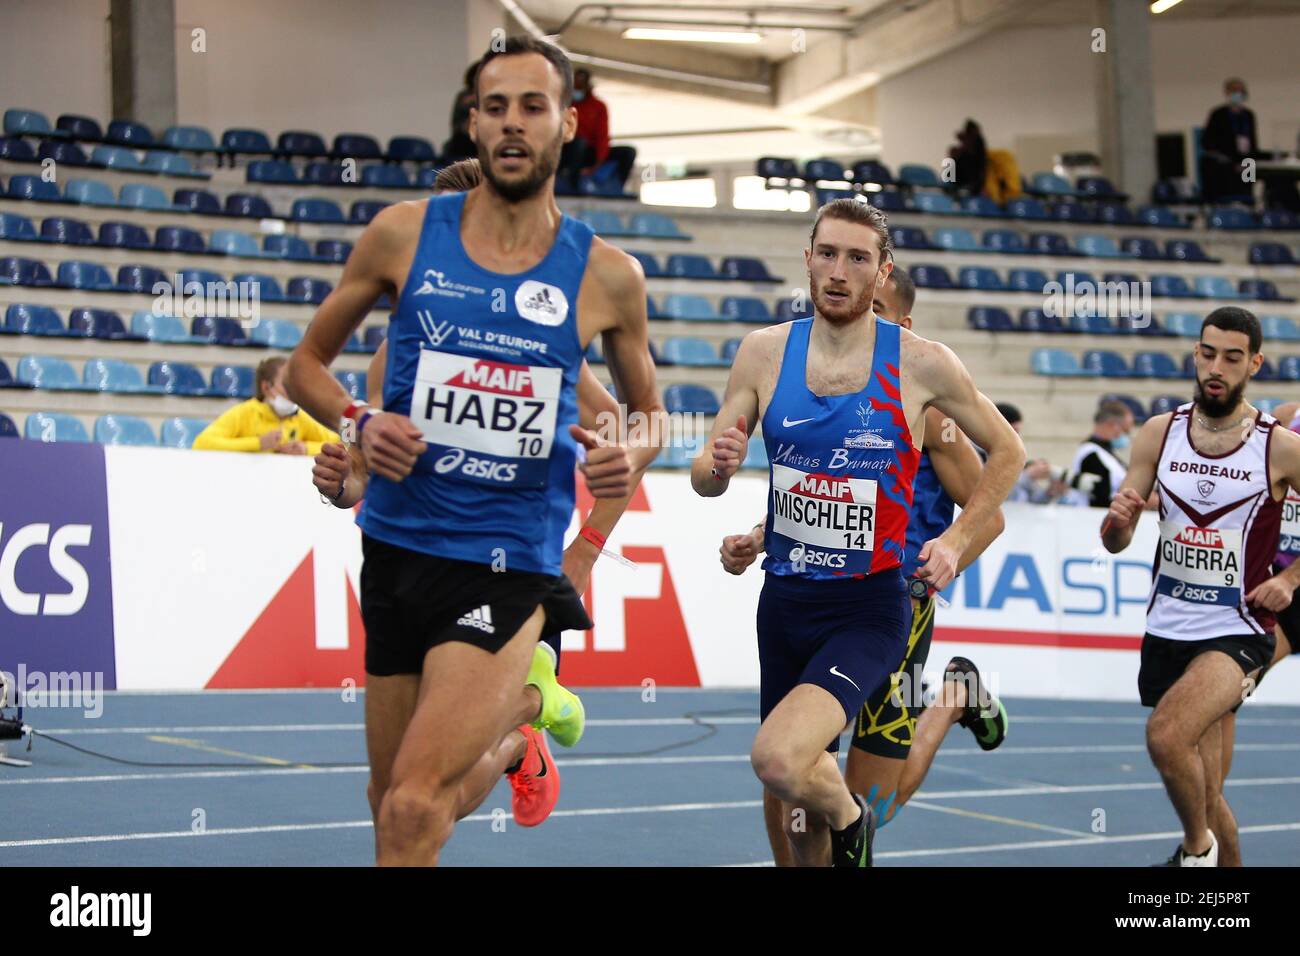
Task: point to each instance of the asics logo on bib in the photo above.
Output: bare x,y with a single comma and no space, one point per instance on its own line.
1186,592
471,467
814,558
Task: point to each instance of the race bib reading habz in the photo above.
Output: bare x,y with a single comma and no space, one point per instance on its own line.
494,421
1200,565
820,511
1289,542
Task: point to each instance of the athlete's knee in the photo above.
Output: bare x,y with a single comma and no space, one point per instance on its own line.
411,812
777,768
1165,743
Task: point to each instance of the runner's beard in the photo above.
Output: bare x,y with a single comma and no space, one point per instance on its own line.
858,306
517,190
1217,408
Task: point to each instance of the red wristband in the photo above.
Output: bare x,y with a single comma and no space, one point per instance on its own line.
594,536
351,410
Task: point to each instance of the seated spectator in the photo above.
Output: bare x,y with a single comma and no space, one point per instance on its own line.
1096,471
971,156
458,145
590,147
269,422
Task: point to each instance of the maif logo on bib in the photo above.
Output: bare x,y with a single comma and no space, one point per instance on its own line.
541,303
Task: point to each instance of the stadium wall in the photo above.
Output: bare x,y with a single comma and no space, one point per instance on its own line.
167,569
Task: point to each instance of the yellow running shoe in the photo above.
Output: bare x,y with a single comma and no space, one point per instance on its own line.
562,711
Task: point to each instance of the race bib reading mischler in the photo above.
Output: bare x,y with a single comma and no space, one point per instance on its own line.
826,512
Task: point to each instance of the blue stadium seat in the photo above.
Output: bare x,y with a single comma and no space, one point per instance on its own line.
79,127
374,337
939,204
333,250
655,225
1155,365
143,196
1159,216
1101,247
989,319
54,426
316,210
426,177
203,277
1268,405
287,247
26,122
68,232
179,239
1165,192
1186,250
158,328
16,228
17,150
1115,214
197,139
1288,368
909,237
1049,244
690,266
755,456
129,133
24,319
264,286
746,309
44,371
690,398
229,242
1073,212
785,310
917,174
1136,407
1278,328
271,171
37,190
232,381
932,277
1216,287
592,355
1105,363
1189,366
956,240
603,222
248,206
1098,187
245,141
137,278
7,427
771,167
746,269
385,177
729,350
219,330
1261,289
1055,362
1230,217
116,157
823,195
111,375
411,149
1140,324
823,169
181,432
1036,320
1025,208
1165,285
363,210
20,271
888,200
1141,248
684,350
1278,219
276,333
323,173
356,146
96,324
172,164
980,277
673,456
300,143
1027,280
1270,254
353,382
982,206
1267,372
307,289
1092,324
688,307
871,171
1166,403
1003,240
353,344
76,274
177,378
65,154
124,430
1050,184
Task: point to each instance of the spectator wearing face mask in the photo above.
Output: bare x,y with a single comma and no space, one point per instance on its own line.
269,422
590,146
1097,469
1227,140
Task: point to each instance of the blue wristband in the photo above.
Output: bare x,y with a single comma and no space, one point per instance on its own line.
361,423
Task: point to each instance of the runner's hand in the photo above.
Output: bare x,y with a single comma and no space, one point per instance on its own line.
391,443
938,559
739,551
331,469
729,449
608,469
1273,595
1124,509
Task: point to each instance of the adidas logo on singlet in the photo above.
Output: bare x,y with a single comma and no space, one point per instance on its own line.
480,617
541,302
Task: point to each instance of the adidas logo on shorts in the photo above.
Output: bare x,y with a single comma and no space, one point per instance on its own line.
480,617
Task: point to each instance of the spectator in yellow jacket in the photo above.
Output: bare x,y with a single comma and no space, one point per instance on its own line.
269,422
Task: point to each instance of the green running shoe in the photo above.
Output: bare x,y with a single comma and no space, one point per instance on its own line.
852,847
988,722
562,713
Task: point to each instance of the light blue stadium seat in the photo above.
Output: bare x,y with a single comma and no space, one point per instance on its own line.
1216,287
124,430
116,157
159,328
277,333
917,174
90,192
957,240
1102,247
1051,184
189,137
936,203
690,398
112,375
172,164
1105,363
231,242
20,121
655,225
740,308
1056,362
181,432
54,426
43,371
142,196
1279,328
755,455
681,350
689,307
604,222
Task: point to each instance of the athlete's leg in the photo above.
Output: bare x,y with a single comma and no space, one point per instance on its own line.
790,757
774,817
1218,813
931,729
466,688
483,776
390,701
1204,693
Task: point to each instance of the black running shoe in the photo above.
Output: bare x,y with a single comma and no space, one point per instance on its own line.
984,716
852,847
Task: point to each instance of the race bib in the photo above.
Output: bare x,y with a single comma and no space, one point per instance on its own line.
1289,542
488,422
1200,565
831,521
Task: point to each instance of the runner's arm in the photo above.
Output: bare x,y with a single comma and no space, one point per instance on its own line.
1139,482
958,468
724,452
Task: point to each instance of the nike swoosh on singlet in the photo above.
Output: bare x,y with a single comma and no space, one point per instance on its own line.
789,424
836,672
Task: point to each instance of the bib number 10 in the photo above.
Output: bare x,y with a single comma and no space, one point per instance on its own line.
530,447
